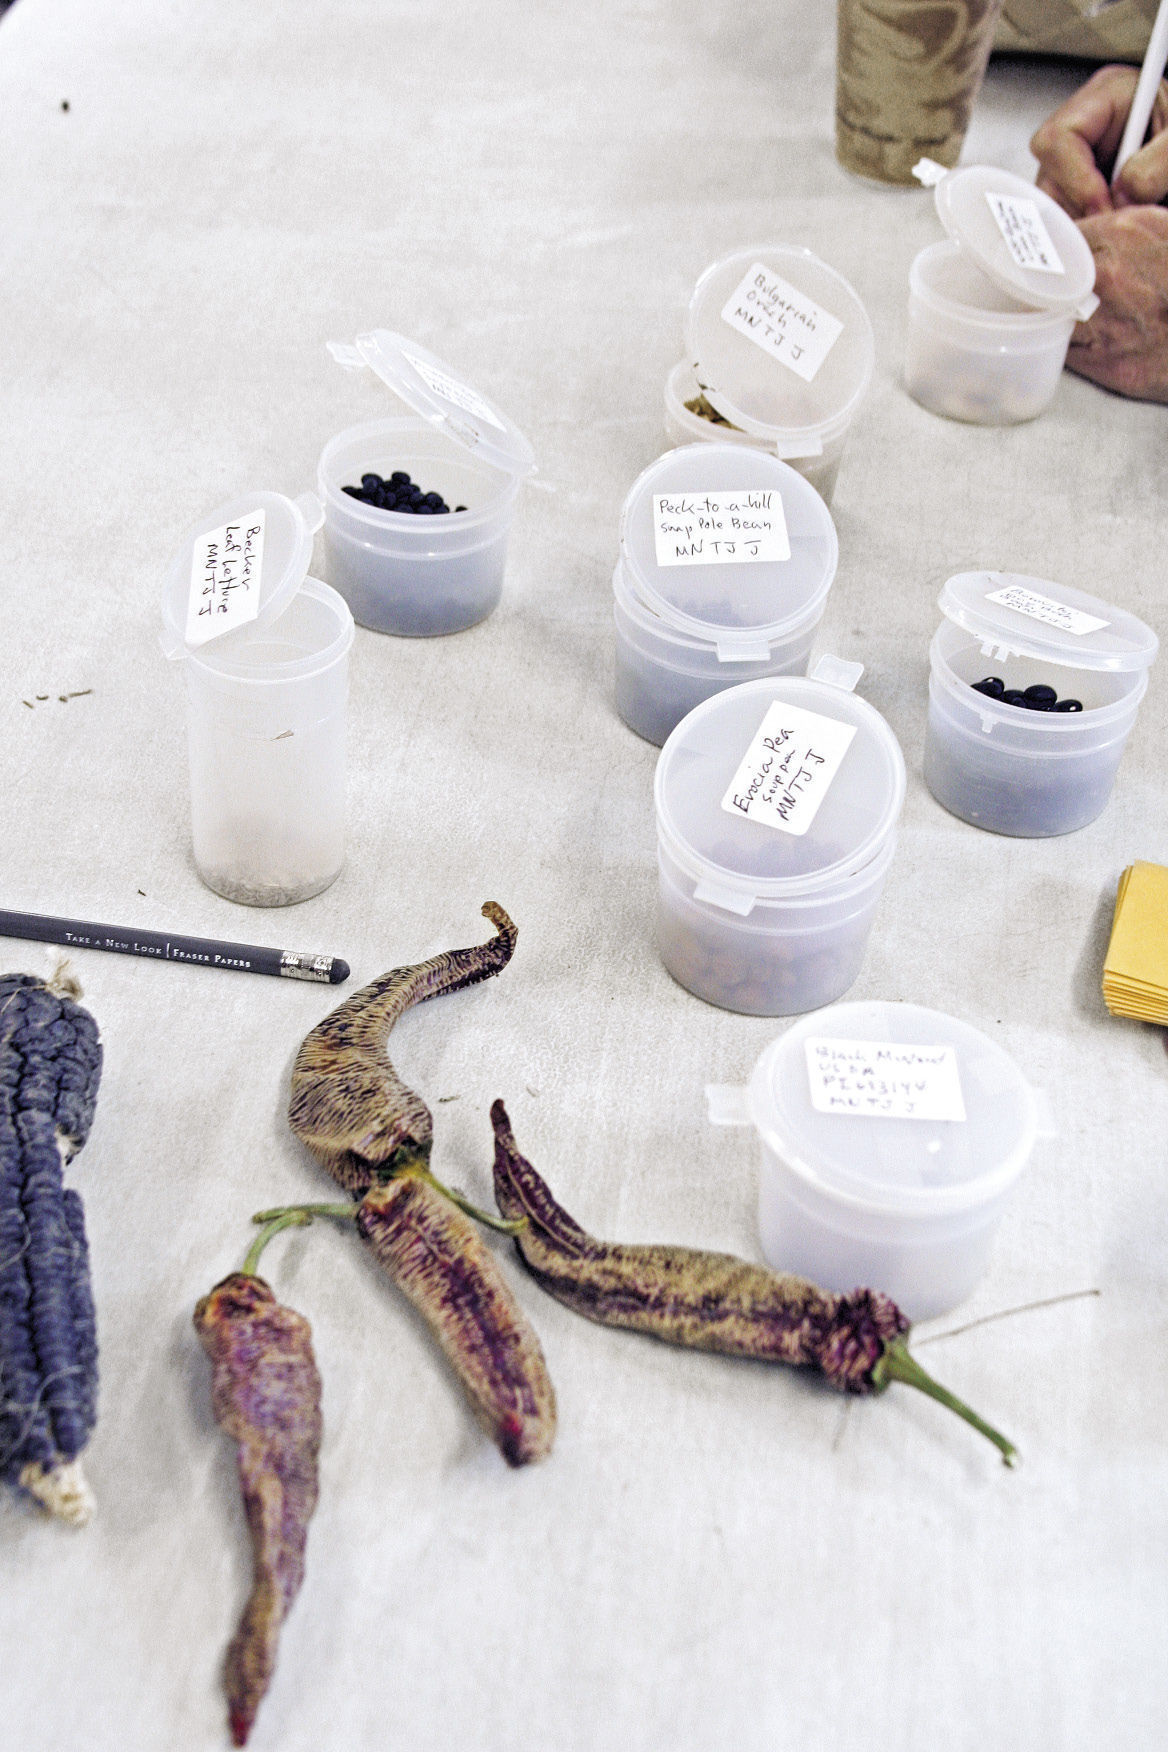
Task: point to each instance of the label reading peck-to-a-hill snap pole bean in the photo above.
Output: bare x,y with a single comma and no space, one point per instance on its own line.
883,1079
788,769
783,321
226,565
723,528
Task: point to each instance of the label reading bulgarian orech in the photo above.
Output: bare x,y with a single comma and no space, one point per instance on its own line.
1044,608
783,321
226,566
788,769
711,529
1025,234
877,1079
451,390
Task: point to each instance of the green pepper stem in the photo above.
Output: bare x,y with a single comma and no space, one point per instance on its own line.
505,1225
287,1217
898,1364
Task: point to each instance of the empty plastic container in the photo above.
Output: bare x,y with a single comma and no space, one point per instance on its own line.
891,1138
991,311
265,700
746,603
777,803
1009,769
401,573
779,345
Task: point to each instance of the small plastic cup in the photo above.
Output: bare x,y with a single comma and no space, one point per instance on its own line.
266,716
421,576
763,919
687,629
891,1138
1014,770
780,347
991,311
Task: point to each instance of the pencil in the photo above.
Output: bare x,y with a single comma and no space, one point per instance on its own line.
168,946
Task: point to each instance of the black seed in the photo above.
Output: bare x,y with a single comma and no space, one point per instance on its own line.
1013,696
1068,706
1040,694
400,478
370,482
992,685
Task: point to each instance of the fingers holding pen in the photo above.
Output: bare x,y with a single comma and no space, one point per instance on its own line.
1076,146
1143,181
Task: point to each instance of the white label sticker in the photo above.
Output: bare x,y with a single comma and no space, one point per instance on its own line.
226,566
1044,608
1026,237
883,1079
788,768
451,390
713,529
783,321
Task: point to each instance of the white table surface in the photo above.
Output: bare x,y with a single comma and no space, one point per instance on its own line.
717,1554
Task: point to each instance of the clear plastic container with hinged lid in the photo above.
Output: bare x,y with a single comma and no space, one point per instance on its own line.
891,1138
991,309
777,803
1005,766
422,575
779,354
726,559
264,651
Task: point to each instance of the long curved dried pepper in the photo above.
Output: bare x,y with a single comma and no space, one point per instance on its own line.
348,1104
711,1301
436,1257
266,1395
50,1067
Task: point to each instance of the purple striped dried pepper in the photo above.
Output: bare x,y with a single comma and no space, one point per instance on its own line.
266,1395
711,1301
374,1136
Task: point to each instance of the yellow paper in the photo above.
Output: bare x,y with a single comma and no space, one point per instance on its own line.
1135,971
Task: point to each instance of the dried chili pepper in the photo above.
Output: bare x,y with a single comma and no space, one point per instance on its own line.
711,1301
266,1395
50,1066
348,1104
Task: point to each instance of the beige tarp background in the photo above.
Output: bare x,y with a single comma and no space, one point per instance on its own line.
1095,30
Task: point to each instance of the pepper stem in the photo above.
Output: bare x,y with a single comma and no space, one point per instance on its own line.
505,1225
899,1364
287,1217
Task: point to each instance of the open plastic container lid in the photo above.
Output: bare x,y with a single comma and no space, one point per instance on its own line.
741,605
759,381
872,1150
1055,271
289,526
433,390
735,860
1029,617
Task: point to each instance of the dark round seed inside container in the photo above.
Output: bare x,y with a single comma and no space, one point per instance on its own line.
1039,694
1067,706
992,686
398,493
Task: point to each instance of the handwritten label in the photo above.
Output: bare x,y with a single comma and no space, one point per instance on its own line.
452,391
226,567
788,768
783,321
713,529
1044,608
883,1079
1025,234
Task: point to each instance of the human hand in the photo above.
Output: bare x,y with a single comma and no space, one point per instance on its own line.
1124,347
1076,147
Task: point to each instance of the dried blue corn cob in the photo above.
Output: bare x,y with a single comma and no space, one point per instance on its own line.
50,1065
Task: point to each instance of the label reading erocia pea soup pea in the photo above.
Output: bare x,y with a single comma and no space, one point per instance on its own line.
712,529
880,1079
1025,235
788,769
226,566
1044,608
783,321
452,391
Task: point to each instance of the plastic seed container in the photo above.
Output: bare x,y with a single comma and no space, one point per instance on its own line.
401,573
891,1139
1001,766
780,346
991,311
777,803
264,651
726,559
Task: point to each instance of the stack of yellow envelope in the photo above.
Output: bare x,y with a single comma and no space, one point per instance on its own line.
1135,973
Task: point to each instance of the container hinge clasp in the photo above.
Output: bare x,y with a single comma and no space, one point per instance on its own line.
311,510
348,356
728,899
726,1104
928,172
742,650
837,672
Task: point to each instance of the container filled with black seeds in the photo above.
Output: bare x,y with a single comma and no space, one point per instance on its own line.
418,510
1033,690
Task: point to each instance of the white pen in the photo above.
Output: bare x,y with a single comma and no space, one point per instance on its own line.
1152,71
